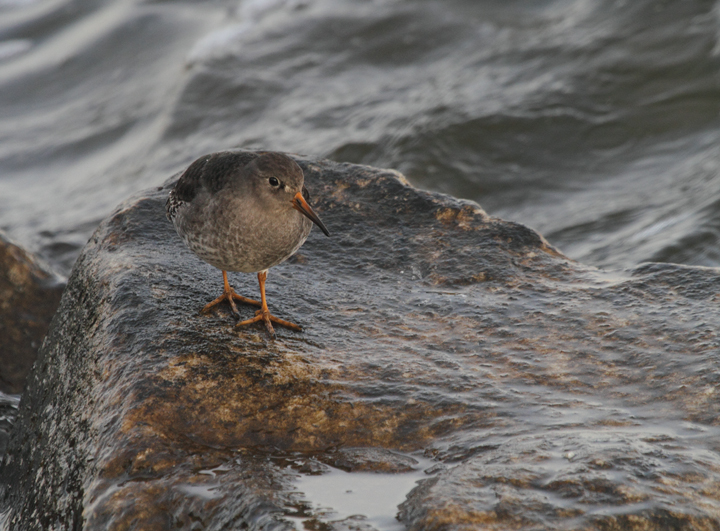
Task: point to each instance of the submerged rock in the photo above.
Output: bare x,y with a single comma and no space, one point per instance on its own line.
549,394
29,295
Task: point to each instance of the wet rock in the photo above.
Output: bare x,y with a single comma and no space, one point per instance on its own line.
29,295
549,394
370,460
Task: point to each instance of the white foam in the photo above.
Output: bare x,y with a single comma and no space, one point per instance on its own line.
216,44
14,47
250,13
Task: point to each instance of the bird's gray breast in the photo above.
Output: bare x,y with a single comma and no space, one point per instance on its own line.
239,235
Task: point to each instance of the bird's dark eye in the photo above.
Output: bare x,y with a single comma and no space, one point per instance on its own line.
273,181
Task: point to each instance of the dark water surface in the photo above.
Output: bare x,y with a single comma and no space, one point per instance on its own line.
595,122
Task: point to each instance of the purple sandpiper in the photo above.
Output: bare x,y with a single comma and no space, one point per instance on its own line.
243,211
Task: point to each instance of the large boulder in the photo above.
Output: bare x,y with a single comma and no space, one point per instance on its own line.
549,394
29,295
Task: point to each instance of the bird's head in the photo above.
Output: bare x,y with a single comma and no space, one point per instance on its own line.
279,179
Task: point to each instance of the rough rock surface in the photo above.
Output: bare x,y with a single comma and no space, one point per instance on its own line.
29,295
549,394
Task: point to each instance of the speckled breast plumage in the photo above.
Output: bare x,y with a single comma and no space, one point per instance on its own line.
225,232
225,225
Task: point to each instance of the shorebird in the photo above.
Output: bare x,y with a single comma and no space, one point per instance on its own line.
243,211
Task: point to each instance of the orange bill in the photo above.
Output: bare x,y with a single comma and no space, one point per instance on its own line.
302,206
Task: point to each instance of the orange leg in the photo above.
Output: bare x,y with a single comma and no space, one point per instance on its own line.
229,295
263,314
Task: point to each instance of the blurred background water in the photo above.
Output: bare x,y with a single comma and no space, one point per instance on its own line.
595,122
